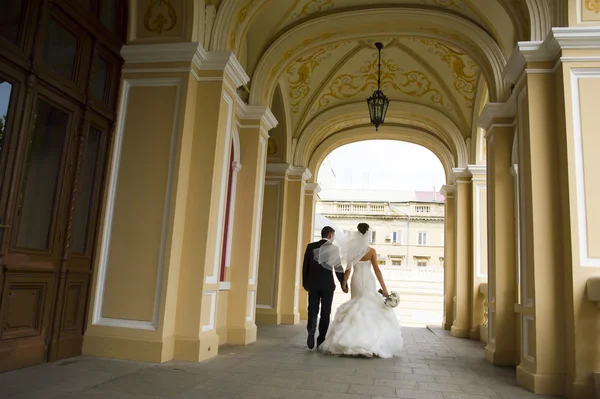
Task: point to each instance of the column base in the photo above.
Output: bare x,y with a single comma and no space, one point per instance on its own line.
290,319
242,335
137,349
460,332
475,334
303,314
446,325
504,358
197,349
583,389
541,384
267,316
483,334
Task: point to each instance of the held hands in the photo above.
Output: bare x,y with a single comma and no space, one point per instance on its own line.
345,288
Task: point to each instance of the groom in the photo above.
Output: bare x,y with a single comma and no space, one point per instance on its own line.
318,282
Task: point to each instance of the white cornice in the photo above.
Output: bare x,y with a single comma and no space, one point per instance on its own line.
492,111
257,112
477,170
187,52
300,171
150,53
447,190
280,169
312,188
558,39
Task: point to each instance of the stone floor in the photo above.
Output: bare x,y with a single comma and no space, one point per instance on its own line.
435,366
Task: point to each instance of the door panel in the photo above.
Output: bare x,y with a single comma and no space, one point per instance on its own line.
32,260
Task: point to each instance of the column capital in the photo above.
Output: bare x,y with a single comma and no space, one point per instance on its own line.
257,112
312,189
478,172
497,115
299,173
459,174
447,190
191,52
559,39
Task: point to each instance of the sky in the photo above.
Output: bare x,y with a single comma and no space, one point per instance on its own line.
384,165
5,88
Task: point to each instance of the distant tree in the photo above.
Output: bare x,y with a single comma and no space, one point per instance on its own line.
2,129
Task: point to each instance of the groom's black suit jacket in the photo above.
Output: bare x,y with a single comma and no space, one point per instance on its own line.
314,276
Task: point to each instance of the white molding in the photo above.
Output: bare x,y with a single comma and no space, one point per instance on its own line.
236,167
447,190
214,277
159,53
278,170
252,310
477,171
525,339
584,256
312,189
192,52
224,285
492,111
299,172
258,210
97,318
257,112
457,173
277,246
213,310
559,38
522,218
580,59
477,219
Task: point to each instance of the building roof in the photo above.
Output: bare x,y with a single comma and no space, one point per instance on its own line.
380,195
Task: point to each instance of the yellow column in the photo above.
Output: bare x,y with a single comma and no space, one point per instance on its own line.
479,268
311,192
461,326
291,244
502,347
540,125
449,266
206,201
137,292
268,294
255,122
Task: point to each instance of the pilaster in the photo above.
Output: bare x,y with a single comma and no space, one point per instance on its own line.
311,192
499,123
253,125
463,227
449,249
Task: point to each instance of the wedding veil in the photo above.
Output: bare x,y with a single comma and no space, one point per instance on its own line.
344,252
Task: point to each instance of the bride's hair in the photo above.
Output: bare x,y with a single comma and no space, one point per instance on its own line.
363,228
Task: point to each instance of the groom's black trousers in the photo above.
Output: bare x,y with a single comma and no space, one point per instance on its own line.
322,299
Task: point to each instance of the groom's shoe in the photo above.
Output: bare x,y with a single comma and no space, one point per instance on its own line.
310,342
320,341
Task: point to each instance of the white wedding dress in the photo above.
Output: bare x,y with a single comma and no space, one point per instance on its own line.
364,326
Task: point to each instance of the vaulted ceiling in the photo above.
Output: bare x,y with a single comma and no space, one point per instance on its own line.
319,55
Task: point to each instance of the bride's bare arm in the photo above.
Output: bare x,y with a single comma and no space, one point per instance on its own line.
378,272
346,277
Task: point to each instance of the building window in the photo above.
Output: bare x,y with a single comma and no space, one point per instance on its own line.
372,236
422,209
397,237
381,262
442,261
422,238
421,261
396,263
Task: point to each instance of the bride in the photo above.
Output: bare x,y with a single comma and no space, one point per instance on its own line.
363,326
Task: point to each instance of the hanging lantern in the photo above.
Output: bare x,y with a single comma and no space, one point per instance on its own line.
378,103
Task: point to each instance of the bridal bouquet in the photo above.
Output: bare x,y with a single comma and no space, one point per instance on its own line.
392,300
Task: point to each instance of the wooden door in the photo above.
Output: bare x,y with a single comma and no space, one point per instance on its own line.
59,75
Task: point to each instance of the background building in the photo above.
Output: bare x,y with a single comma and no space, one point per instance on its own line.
407,231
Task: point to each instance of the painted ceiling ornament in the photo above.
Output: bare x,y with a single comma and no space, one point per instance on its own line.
311,7
593,5
378,102
160,16
464,70
460,4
